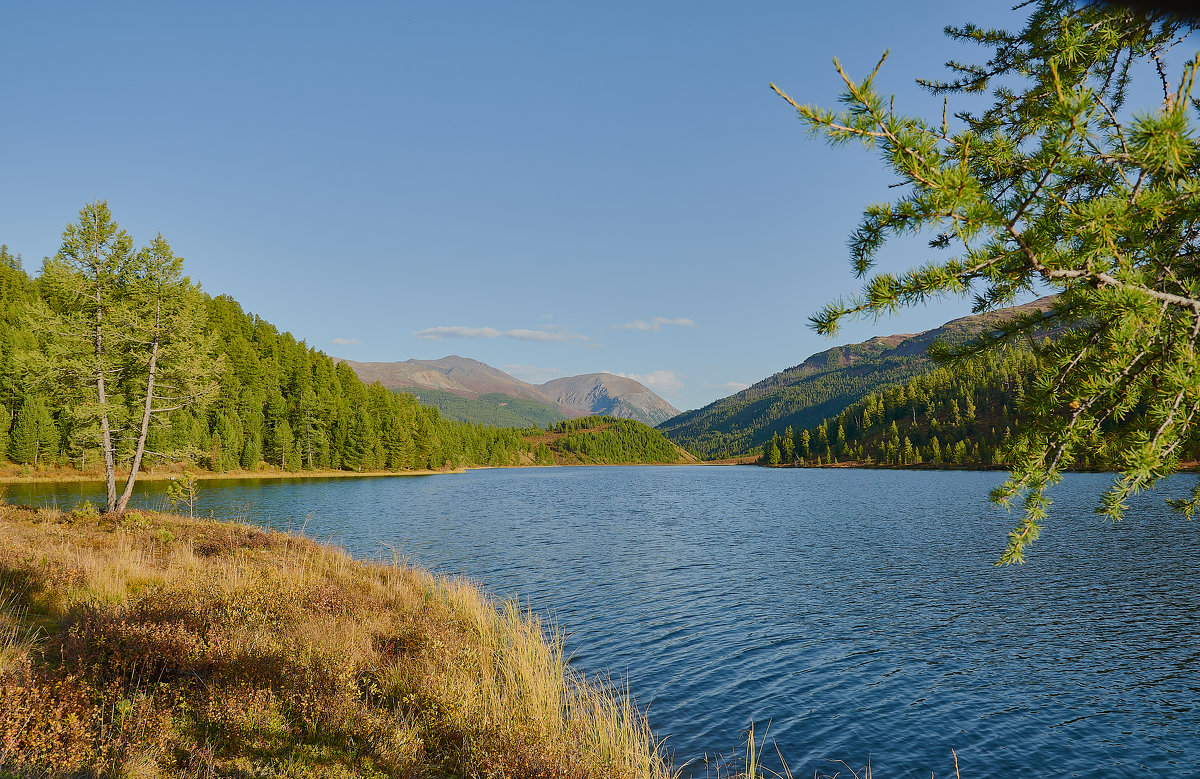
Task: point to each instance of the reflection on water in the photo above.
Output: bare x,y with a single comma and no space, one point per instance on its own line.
856,612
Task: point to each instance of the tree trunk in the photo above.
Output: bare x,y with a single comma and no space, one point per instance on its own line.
146,411
106,445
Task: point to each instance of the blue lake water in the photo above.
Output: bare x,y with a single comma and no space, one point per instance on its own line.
854,614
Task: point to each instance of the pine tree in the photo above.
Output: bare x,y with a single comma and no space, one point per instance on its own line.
309,416
282,443
34,436
294,461
84,284
252,453
772,455
787,446
123,327
1051,186
173,362
229,431
5,424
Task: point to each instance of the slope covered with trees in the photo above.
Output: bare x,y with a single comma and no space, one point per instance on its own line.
821,387
282,402
963,416
275,401
251,396
603,440
17,294
119,385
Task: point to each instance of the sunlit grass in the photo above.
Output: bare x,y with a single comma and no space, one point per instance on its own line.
17,636
154,645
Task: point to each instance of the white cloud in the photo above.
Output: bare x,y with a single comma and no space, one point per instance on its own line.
440,333
729,386
551,334
347,341
532,373
521,334
662,382
655,324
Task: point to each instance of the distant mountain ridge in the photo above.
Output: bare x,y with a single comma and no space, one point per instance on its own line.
571,396
821,386
493,409
610,395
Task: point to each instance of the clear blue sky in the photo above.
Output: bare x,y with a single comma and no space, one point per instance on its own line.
552,188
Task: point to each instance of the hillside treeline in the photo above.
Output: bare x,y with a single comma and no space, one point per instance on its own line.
819,388
272,399
275,400
604,440
963,415
824,385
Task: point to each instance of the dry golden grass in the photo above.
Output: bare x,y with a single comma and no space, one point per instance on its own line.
154,645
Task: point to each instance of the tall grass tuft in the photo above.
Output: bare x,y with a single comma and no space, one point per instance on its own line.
18,638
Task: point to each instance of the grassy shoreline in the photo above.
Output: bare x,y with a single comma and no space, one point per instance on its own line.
156,645
12,474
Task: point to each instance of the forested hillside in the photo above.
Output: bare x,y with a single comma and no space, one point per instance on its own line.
262,398
292,406
17,291
604,440
964,415
276,401
818,388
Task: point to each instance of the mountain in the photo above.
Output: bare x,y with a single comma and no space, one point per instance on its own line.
569,397
821,387
492,409
460,375
610,395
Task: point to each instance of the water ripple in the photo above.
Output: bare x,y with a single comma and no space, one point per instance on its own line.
856,612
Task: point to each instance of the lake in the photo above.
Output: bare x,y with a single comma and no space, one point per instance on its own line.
853,614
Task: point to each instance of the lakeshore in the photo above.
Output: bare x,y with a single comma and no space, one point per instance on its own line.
13,474
152,642
622,558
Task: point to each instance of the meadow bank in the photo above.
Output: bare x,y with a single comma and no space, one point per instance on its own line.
154,645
